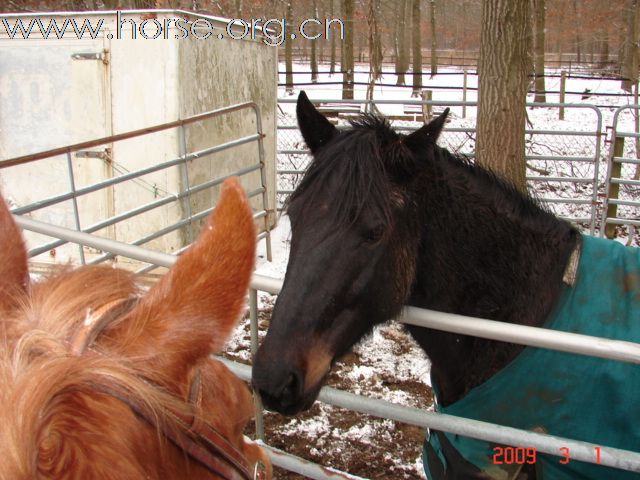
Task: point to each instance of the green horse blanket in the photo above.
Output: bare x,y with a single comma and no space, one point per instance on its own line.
563,394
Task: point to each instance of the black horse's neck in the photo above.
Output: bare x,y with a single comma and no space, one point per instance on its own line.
486,251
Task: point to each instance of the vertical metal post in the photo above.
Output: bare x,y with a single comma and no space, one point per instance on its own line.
563,81
263,179
184,172
74,201
253,315
636,118
464,93
596,173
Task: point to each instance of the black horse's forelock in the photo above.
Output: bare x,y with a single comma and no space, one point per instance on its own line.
363,160
356,162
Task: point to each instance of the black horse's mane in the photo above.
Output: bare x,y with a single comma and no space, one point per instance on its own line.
362,158
354,159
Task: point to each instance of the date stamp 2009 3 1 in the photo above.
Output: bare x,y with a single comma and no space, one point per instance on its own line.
528,455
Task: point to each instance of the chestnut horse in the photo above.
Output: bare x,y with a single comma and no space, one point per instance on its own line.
101,379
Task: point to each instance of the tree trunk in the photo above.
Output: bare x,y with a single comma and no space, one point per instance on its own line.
434,53
539,46
578,37
288,53
347,50
629,67
503,67
416,48
314,52
375,49
604,50
332,67
402,62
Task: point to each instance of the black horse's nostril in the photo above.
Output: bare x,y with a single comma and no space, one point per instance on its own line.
282,394
290,390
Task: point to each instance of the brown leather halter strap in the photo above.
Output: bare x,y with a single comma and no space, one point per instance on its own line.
190,434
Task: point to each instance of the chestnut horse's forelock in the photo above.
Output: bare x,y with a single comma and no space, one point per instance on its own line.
57,353
194,436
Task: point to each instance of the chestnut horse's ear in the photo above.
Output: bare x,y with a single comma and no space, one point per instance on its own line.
427,134
315,128
14,271
191,312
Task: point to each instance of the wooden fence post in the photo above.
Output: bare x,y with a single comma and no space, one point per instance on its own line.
614,188
427,95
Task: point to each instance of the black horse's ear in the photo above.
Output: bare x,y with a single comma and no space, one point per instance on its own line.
316,129
428,133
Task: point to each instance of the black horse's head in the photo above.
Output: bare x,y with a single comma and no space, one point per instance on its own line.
354,236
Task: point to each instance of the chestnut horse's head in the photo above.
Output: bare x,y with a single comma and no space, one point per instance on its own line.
101,380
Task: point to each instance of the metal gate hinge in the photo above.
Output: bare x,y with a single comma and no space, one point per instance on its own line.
88,56
102,56
104,154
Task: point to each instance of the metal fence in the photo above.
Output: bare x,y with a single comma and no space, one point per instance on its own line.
563,166
621,206
182,200
569,342
587,152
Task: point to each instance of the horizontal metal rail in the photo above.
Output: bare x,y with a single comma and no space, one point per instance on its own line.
553,445
298,465
634,161
133,175
124,136
148,207
623,221
490,329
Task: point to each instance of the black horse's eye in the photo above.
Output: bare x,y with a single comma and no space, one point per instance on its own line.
375,234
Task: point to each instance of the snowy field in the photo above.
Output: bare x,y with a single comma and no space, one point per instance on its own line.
388,364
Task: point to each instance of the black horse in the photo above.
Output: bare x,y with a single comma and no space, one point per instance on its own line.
381,220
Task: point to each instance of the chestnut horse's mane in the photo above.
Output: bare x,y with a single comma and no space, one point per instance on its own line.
57,419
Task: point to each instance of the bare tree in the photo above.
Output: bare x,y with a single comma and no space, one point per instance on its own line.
578,45
401,41
288,53
347,50
539,46
332,67
416,48
629,66
375,49
314,53
504,65
434,44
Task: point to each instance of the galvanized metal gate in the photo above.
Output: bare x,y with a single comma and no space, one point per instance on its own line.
621,205
580,344
176,209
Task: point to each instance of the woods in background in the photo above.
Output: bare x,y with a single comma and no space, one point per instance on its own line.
589,31
598,37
